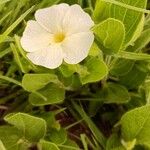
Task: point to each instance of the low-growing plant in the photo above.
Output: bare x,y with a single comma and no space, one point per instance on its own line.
86,87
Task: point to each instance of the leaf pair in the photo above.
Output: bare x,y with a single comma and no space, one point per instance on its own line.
134,130
132,19
28,130
45,88
94,69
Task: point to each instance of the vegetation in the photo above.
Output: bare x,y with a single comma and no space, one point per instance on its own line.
103,103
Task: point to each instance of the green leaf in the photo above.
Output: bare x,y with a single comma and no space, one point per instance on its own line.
96,70
141,42
45,145
114,93
138,31
135,125
51,94
50,119
136,101
95,51
110,39
12,138
67,70
147,91
114,143
135,77
130,7
69,145
34,82
120,67
132,18
129,145
140,147
32,128
72,83
58,136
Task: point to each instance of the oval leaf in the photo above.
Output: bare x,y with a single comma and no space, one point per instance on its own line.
32,128
45,145
133,20
135,125
110,39
114,93
96,70
34,82
51,94
58,136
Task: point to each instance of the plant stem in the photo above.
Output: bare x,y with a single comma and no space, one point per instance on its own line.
90,5
11,96
128,6
5,52
10,80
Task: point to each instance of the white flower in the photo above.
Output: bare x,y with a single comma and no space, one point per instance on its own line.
60,32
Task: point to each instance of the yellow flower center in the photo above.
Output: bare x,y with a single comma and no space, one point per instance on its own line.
59,37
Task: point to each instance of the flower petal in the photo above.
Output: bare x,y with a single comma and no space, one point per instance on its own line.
35,37
76,47
50,57
76,20
51,18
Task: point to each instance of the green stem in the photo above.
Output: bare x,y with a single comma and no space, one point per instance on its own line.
73,124
40,95
133,56
127,6
17,58
80,2
11,96
108,63
90,4
21,51
1,20
96,132
10,80
5,52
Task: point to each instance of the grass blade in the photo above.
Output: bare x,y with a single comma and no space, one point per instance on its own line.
10,80
96,132
5,52
14,25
